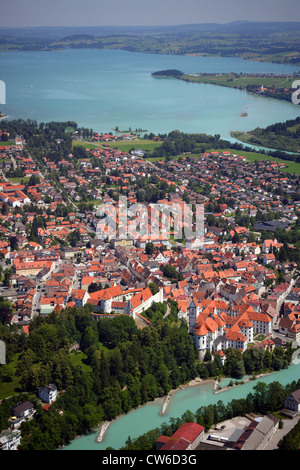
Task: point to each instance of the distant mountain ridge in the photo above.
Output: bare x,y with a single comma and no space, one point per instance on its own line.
234,26
252,40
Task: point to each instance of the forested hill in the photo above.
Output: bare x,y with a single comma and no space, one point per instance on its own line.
268,41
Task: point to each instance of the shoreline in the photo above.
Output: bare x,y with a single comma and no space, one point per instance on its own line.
240,382
241,136
185,77
102,430
185,54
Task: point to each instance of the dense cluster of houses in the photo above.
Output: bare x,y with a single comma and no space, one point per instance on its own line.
223,299
221,294
226,288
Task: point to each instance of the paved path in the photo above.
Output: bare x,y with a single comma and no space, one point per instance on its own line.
288,424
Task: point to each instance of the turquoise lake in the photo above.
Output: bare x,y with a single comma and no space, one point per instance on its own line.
102,89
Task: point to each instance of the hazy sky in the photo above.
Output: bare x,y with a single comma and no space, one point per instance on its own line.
143,12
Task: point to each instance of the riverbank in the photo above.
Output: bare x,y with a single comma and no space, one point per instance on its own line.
237,382
102,430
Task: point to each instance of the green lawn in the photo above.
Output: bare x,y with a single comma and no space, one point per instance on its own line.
294,128
240,80
18,180
8,389
123,145
5,143
78,358
86,145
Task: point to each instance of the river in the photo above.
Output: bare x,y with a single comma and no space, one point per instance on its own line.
148,416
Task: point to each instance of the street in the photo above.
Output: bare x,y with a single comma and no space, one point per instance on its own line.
288,424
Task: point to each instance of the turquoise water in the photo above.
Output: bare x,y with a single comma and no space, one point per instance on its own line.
147,417
102,89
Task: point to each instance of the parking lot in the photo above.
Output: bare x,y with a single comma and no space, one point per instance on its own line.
226,429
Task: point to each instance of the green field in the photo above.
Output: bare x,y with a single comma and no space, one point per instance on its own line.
240,80
5,143
78,358
124,146
294,128
20,179
85,144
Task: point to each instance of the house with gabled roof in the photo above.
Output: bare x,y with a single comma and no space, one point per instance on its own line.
48,304
103,298
268,245
206,331
142,301
81,298
187,437
236,340
292,404
221,325
48,394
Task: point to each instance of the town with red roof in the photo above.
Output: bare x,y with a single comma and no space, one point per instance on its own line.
230,287
208,240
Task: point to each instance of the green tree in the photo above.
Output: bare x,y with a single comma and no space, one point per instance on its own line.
5,310
7,277
149,248
153,287
162,376
275,396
